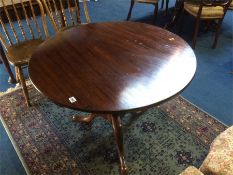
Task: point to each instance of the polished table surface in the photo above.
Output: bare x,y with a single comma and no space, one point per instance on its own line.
112,68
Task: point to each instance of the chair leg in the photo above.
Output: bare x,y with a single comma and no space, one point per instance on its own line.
167,2
156,12
195,33
181,23
5,62
23,83
162,4
130,10
17,75
207,26
217,34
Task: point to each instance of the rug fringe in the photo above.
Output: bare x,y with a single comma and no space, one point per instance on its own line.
8,91
12,89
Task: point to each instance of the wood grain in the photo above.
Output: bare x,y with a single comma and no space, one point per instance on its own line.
112,67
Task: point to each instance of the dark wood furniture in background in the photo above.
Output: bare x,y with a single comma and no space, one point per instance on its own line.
111,69
153,2
166,7
207,10
203,10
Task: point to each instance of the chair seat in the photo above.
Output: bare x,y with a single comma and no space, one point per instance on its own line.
191,170
207,12
231,6
20,54
147,1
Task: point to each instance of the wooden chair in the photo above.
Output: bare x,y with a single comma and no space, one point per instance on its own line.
208,10
21,34
154,2
65,13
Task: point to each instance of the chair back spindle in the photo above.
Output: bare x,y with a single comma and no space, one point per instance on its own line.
18,19
65,13
19,16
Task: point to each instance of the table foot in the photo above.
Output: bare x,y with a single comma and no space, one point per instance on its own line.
116,124
138,113
84,119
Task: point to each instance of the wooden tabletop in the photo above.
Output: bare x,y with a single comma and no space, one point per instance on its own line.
112,67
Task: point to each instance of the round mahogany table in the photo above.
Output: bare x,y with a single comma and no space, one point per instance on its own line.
112,68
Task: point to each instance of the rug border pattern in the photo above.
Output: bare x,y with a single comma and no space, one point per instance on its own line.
16,148
203,111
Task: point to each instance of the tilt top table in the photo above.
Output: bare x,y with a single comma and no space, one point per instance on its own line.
112,68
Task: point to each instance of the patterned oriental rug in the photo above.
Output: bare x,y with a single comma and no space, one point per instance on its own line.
163,140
